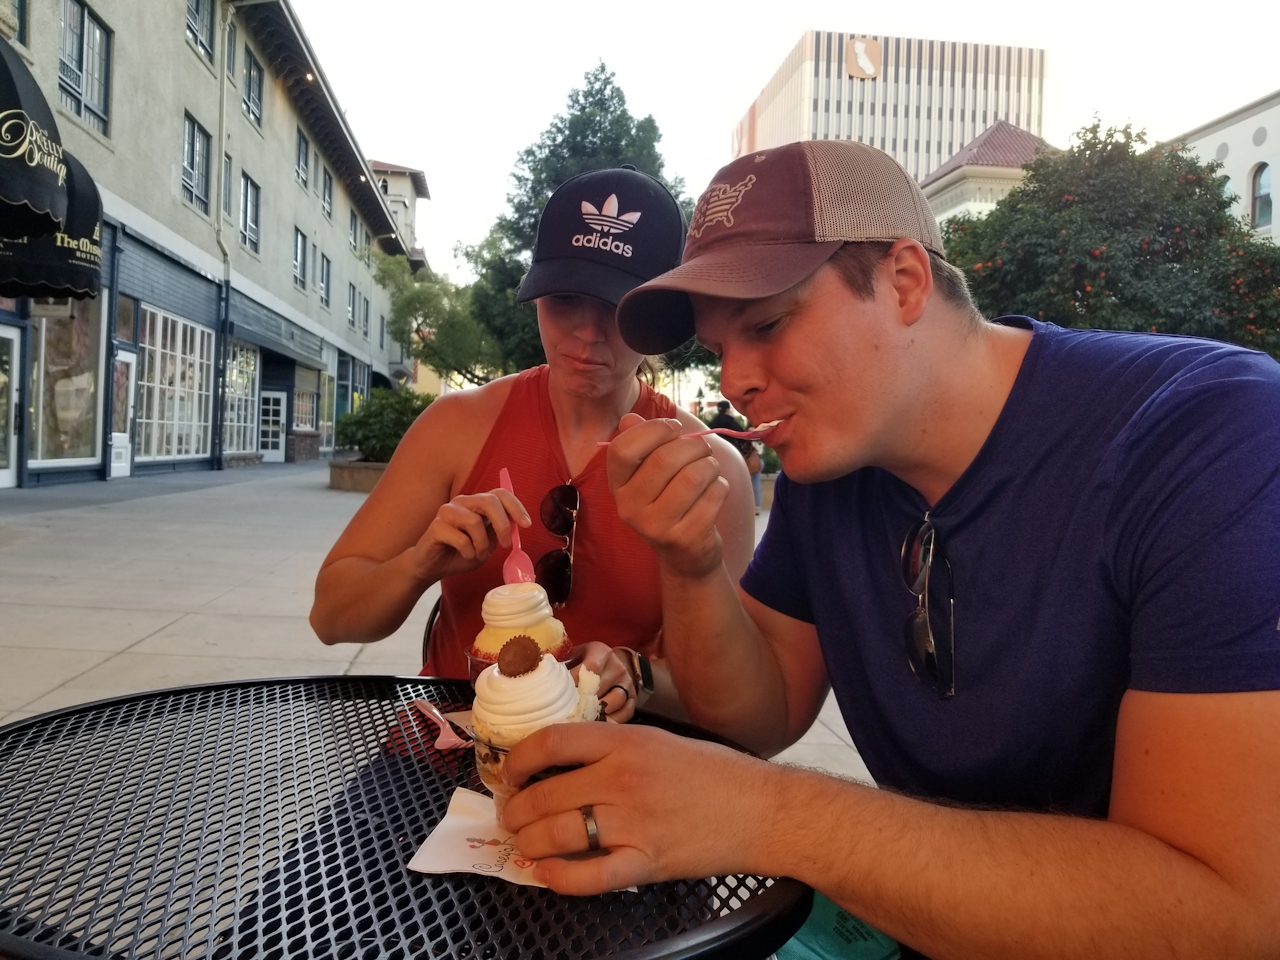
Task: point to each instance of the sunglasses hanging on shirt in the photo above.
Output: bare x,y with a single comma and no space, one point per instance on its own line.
935,667
559,513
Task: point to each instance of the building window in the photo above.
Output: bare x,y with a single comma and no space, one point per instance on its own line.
127,320
353,230
327,397
1261,193
364,317
326,278
366,242
382,332
84,65
303,166
326,194
175,388
200,26
252,94
226,184
195,164
304,410
299,258
351,305
20,15
250,200
231,50
66,340
240,403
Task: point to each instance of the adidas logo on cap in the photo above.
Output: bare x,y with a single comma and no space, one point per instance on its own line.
606,222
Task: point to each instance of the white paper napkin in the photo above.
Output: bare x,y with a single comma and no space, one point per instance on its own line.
469,840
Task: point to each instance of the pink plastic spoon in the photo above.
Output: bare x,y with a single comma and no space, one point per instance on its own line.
448,740
757,432
517,568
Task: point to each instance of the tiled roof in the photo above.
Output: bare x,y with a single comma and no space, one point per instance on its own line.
1000,145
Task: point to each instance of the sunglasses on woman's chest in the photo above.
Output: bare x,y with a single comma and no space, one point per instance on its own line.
559,513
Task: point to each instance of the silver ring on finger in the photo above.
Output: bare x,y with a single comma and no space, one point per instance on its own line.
593,828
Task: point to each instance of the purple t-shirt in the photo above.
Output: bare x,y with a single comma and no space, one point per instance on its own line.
1119,529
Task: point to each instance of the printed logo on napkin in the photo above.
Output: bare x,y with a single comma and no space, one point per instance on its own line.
469,840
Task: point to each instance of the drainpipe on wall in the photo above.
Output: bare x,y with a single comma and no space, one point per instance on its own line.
109,374
224,305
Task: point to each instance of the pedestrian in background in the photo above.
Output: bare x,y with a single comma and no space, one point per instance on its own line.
749,449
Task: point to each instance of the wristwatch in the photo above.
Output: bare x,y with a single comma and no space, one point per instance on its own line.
641,673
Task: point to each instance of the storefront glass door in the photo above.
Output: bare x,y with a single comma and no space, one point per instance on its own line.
271,426
8,407
123,389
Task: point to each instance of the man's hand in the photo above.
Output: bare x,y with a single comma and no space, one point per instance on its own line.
669,490
667,807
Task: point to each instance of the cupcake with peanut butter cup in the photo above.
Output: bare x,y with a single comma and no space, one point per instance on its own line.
523,692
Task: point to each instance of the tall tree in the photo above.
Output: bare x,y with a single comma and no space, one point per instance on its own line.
1112,236
431,318
597,130
479,331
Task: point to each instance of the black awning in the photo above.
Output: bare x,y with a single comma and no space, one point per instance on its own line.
68,264
33,199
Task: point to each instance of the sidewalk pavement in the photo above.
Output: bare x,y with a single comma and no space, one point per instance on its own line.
151,582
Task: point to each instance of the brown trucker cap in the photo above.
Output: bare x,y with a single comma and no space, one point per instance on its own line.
768,220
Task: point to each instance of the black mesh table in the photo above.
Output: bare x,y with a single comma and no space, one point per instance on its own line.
275,819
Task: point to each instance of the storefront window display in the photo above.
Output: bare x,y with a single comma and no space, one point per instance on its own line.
65,398
240,414
175,387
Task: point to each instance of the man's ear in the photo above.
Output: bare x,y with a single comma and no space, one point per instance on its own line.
906,268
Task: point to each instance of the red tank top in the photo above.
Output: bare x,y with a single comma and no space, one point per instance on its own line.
615,597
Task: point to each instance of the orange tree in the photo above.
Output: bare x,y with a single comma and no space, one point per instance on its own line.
1104,235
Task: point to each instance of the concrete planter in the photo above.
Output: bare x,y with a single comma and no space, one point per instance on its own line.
359,476
766,490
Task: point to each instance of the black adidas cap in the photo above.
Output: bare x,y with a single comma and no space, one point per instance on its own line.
603,233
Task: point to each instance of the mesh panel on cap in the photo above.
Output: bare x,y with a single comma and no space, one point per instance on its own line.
860,193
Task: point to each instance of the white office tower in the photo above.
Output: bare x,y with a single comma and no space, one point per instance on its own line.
919,100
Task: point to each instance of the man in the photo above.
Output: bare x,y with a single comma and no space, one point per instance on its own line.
1038,567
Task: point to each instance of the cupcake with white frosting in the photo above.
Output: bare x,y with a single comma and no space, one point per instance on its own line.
518,609
524,691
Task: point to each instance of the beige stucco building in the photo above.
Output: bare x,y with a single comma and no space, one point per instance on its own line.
919,100
1247,144
402,188
239,316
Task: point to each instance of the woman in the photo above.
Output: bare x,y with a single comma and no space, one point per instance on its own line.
437,514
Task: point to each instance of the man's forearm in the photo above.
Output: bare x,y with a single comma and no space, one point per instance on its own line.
959,883
359,600
721,664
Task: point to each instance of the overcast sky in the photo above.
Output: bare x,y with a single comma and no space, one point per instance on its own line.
458,89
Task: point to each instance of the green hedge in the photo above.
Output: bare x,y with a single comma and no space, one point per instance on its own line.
375,429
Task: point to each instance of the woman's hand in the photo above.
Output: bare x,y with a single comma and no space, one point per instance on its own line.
465,532
617,684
